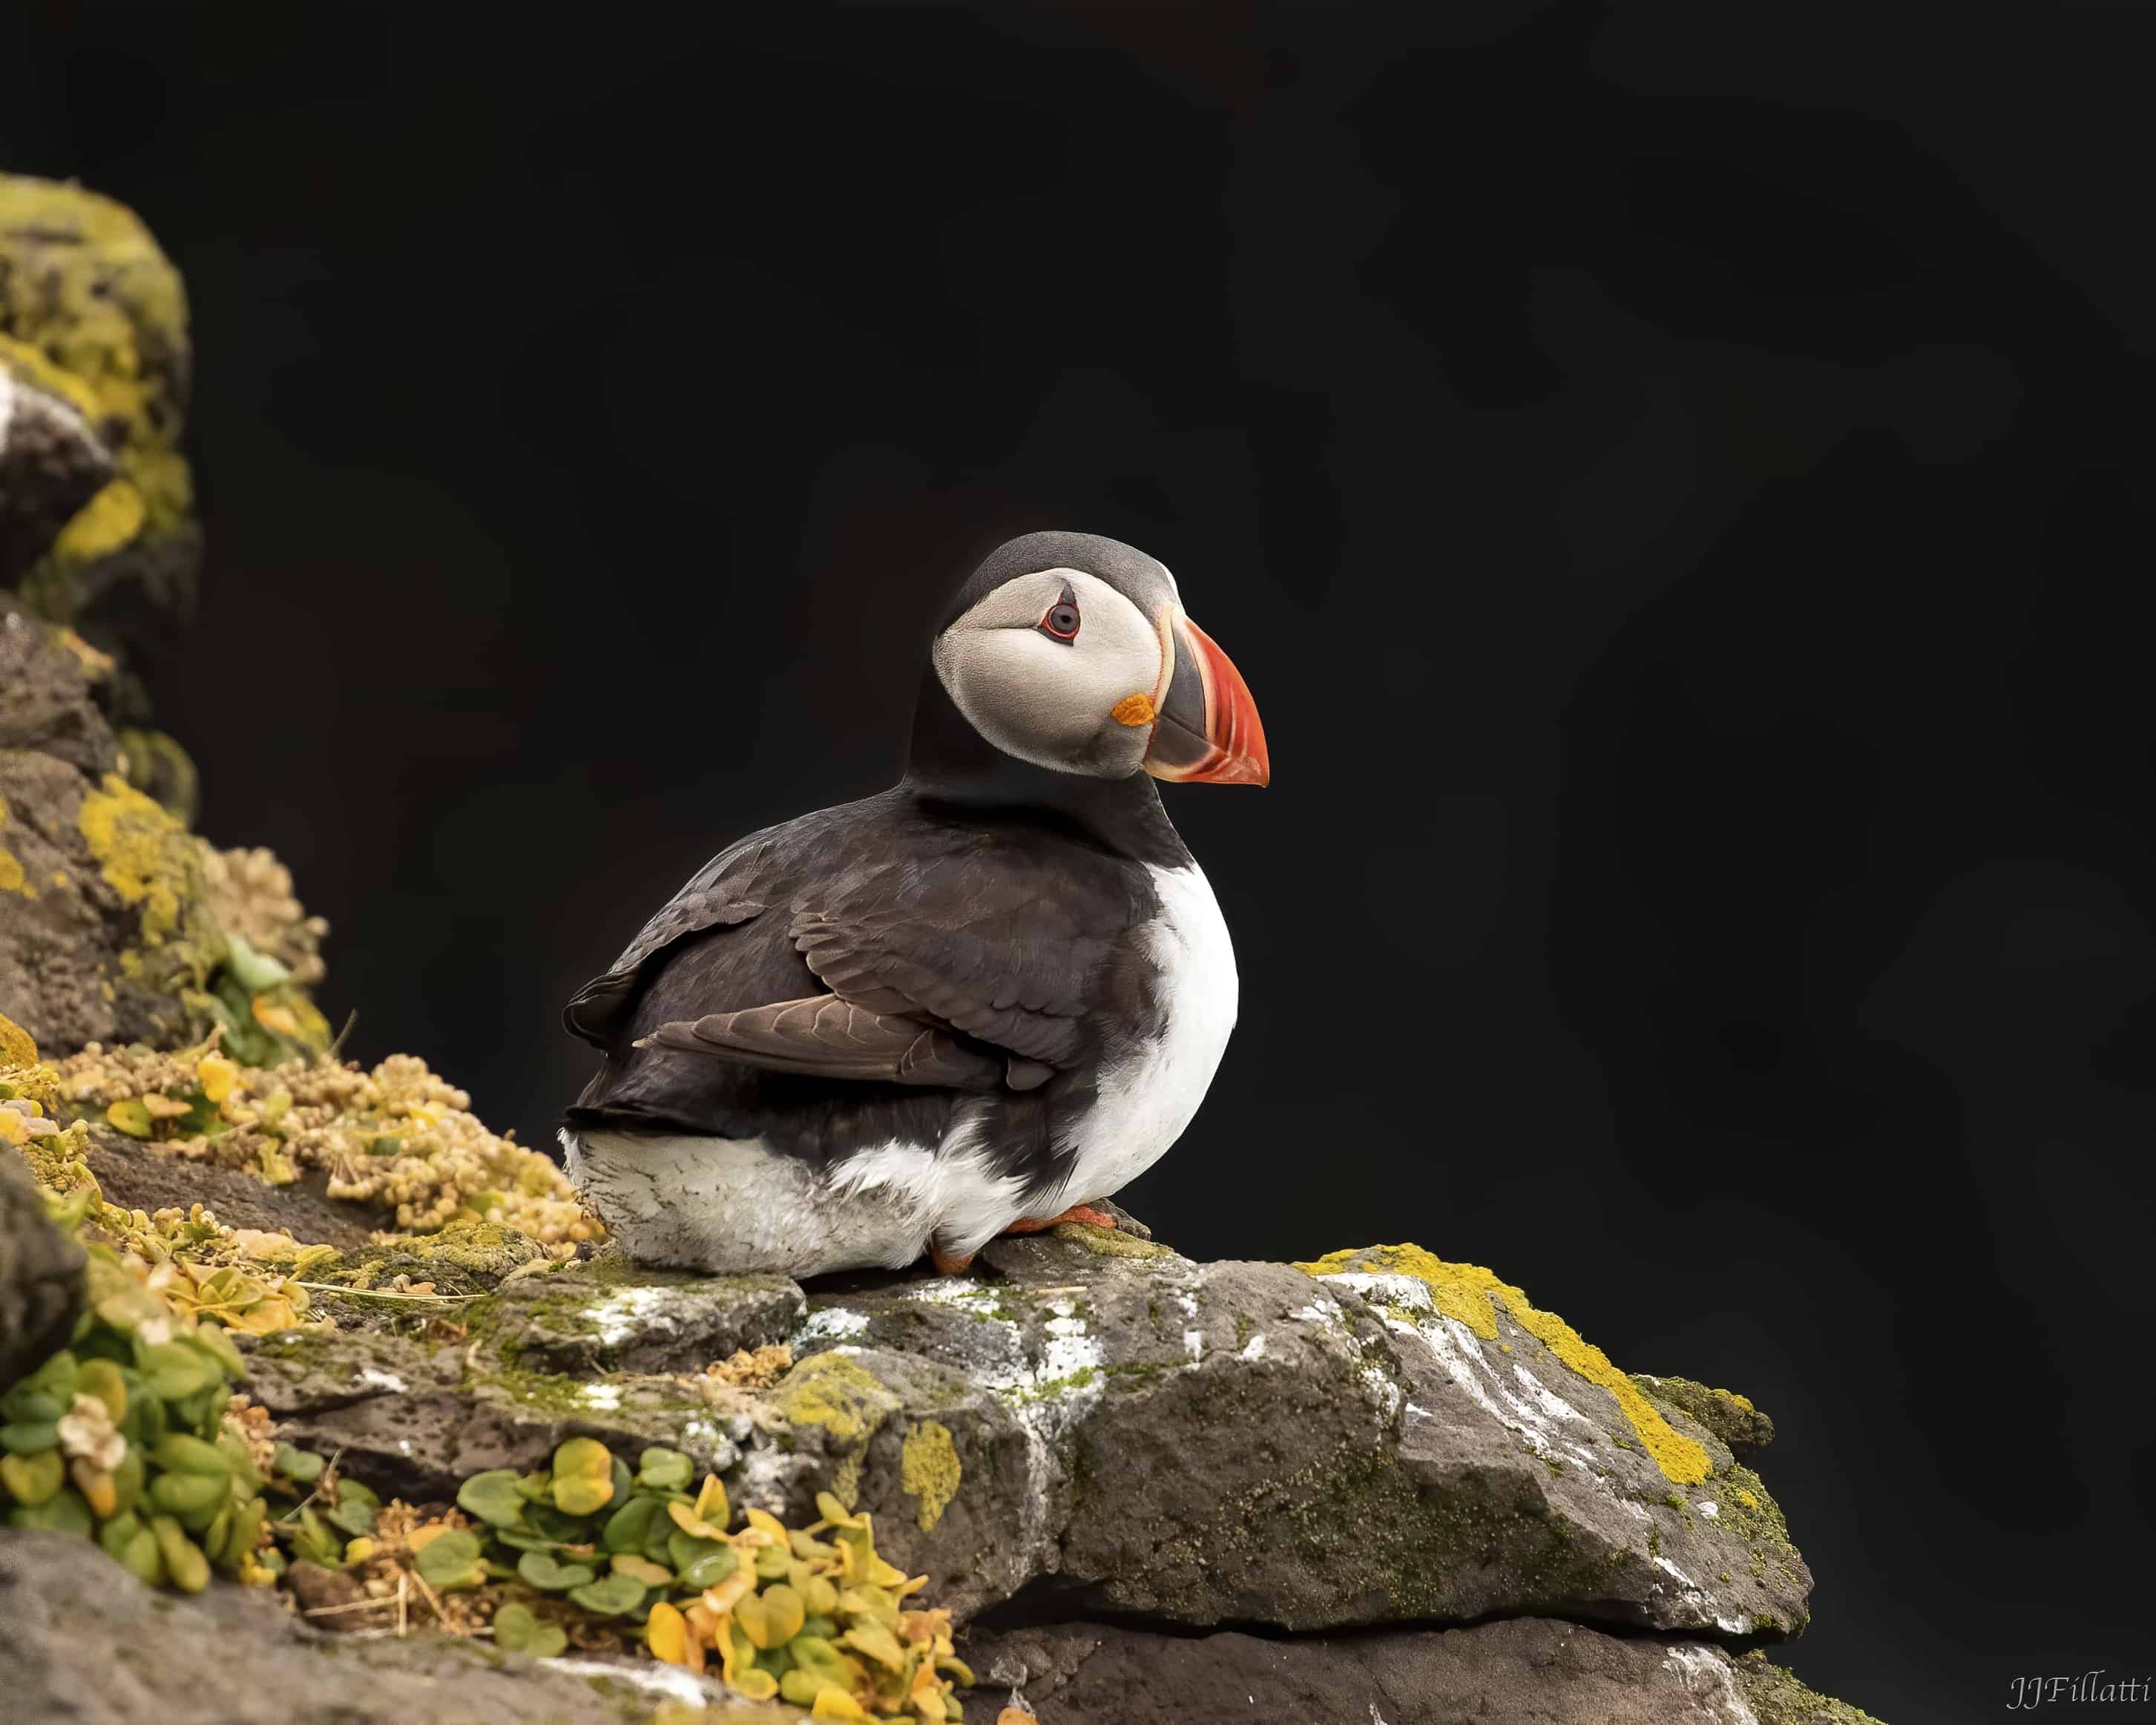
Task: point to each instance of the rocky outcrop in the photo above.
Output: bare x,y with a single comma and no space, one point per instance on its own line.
1097,1427
1154,1487
92,310
40,1276
52,461
102,917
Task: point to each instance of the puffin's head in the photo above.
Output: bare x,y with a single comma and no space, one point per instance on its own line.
1072,652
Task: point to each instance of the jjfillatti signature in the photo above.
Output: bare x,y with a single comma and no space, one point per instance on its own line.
2090,1688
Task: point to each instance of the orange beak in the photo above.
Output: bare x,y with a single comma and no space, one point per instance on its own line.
1208,732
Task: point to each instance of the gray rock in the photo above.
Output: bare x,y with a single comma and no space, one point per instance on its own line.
415,1418
76,963
1204,1444
589,1319
81,1640
46,699
1520,1671
1242,1442
52,462
40,1275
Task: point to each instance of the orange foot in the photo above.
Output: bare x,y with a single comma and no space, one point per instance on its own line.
948,1263
1077,1212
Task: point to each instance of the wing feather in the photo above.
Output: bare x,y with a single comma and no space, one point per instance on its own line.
833,1038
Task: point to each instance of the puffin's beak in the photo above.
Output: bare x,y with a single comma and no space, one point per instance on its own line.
1207,731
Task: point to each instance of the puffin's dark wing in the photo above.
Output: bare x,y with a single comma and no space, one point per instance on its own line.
941,959
722,894
1005,953
829,1038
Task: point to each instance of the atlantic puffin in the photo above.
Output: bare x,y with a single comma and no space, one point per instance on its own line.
979,1002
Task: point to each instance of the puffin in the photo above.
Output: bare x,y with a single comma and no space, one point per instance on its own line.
980,1002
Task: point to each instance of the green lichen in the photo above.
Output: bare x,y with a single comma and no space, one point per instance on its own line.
929,1470
1776,1698
847,1403
1475,1296
829,1390
1109,1242
1728,1416
157,766
463,1258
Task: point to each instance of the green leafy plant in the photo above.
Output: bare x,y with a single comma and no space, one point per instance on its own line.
812,1616
123,1437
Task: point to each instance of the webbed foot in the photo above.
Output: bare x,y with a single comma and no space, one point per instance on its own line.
1077,1212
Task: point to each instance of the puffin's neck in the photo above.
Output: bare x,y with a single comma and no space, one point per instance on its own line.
951,765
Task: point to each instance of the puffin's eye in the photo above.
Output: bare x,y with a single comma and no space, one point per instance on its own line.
1061,621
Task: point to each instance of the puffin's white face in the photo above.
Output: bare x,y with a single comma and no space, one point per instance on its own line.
1058,668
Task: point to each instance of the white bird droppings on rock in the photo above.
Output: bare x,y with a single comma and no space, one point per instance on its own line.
621,1315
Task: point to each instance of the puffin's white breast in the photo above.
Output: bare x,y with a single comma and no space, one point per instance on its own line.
1148,1096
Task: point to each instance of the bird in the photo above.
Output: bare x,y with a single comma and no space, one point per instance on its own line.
979,1002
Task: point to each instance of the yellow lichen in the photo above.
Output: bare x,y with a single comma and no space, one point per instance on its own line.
18,1047
829,1390
33,368
929,1469
109,520
85,291
12,878
145,855
1473,1296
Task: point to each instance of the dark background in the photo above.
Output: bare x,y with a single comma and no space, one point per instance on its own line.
1674,482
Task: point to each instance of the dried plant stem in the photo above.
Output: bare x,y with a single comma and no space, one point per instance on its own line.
332,1287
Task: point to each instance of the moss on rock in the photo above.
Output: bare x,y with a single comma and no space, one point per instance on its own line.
1728,1416
1778,1697
1109,1242
463,1258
